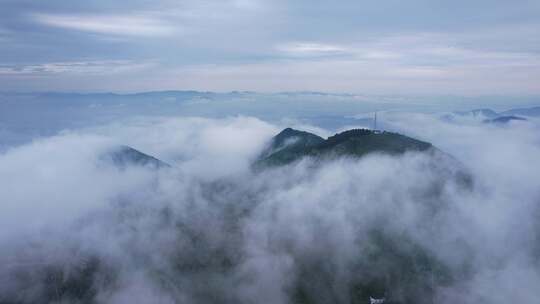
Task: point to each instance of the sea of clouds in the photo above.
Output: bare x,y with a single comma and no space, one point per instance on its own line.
211,230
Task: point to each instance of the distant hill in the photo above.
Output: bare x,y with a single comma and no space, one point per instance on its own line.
477,113
504,119
125,156
490,116
532,112
291,145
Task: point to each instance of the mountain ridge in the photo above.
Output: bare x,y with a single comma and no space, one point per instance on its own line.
291,145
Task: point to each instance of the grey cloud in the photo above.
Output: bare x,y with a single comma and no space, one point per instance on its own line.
194,35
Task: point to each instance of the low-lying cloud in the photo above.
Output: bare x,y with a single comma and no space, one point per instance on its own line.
210,230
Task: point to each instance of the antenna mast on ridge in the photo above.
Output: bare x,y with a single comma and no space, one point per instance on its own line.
375,130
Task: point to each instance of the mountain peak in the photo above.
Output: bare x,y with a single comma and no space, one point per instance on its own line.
289,133
125,156
292,142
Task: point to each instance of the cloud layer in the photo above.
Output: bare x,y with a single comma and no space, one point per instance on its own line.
210,230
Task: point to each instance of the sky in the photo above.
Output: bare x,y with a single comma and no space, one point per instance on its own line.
374,47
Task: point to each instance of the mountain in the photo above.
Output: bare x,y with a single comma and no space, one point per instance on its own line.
533,112
490,116
125,156
503,119
291,145
477,113
395,266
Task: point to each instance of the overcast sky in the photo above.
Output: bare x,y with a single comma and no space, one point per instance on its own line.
480,47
